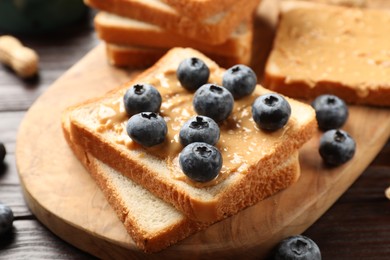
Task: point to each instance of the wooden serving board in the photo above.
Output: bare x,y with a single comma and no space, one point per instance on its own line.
64,197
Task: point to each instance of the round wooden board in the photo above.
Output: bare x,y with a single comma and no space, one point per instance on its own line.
65,198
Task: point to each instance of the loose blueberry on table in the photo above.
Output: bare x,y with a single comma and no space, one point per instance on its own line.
199,129
192,73
240,80
336,147
213,101
3,152
200,162
142,98
297,248
271,111
147,128
331,112
6,219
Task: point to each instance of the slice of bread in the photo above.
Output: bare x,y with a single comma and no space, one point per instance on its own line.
250,154
215,29
125,31
143,57
331,49
151,222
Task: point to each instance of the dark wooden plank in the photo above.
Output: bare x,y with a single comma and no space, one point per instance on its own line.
57,51
31,240
357,226
8,129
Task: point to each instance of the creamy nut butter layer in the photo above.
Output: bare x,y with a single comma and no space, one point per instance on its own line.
327,49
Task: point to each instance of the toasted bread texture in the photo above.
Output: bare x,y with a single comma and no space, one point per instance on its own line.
132,56
331,49
152,223
215,29
350,3
120,30
250,154
200,9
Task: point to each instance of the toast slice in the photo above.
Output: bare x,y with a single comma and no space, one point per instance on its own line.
215,29
143,57
337,52
249,154
125,31
151,222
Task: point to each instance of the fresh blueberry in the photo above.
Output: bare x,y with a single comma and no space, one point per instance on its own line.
147,128
240,80
199,129
297,248
336,147
2,152
213,101
200,161
331,112
6,219
192,73
271,111
142,98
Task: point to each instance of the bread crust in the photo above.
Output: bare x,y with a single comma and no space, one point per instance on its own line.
378,96
122,31
143,57
201,9
213,30
149,173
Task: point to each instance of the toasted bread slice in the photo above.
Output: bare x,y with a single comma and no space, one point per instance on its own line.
143,57
125,31
331,49
152,223
215,29
249,154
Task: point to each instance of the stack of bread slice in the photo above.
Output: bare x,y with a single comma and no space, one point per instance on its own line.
156,202
137,33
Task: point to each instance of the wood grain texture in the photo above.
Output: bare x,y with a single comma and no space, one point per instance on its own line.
251,233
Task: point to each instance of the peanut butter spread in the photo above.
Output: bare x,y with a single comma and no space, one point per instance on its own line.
349,46
241,143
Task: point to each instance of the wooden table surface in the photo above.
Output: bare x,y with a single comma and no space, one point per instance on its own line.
357,226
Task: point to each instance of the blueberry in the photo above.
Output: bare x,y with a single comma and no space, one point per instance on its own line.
200,161
240,80
192,73
336,147
6,219
3,152
213,101
199,129
271,111
147,128
297,248
142,98
331,112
